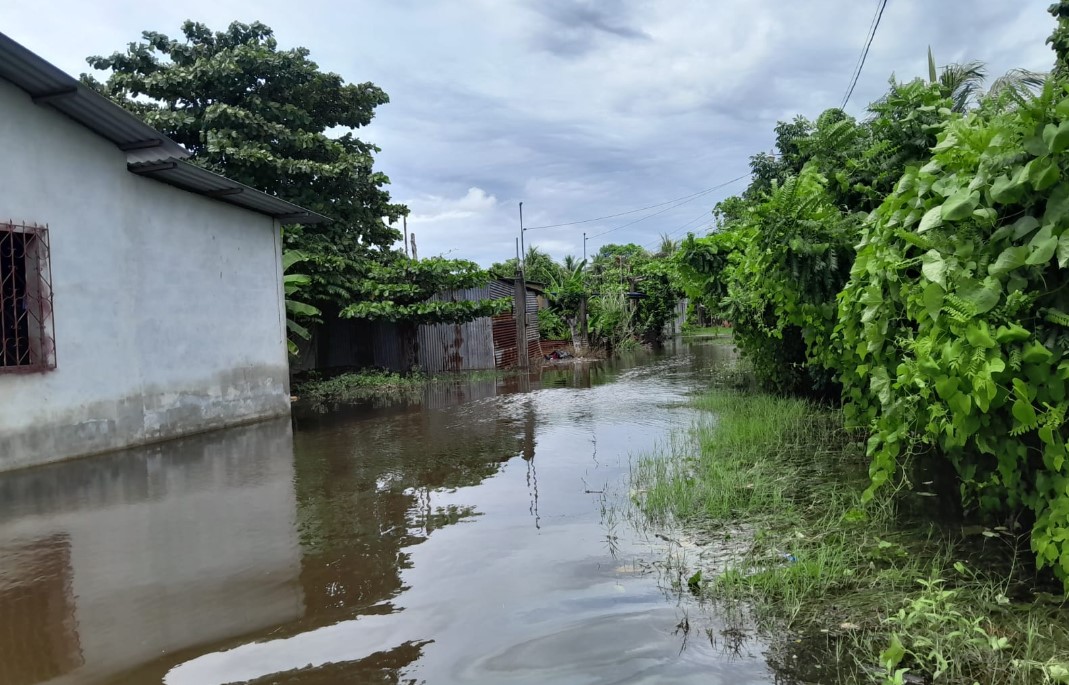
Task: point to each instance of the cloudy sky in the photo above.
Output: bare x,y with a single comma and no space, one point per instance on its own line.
577,108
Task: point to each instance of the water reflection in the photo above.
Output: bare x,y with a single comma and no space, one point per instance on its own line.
460,538
107,563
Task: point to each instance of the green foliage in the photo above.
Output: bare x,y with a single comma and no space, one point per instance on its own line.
268,118
1059,39
657,281
296,310
404,290
551,326
702,265
539,267
953,325
776,271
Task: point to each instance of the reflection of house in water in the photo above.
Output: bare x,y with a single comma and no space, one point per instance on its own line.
38,640
110,563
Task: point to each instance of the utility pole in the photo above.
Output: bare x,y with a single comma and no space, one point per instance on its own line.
406,234
522,248
584,246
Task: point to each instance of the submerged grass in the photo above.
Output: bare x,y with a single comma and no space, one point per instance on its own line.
853,589
708,332
322,393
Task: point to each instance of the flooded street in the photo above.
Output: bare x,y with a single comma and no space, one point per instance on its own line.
479,535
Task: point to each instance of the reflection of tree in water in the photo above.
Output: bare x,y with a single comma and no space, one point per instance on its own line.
365,493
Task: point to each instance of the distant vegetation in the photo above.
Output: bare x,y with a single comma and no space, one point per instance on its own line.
631,294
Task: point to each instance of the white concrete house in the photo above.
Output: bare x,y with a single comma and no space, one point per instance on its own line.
140,296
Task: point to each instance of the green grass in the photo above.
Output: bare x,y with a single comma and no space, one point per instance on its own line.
710,332
851,584
322,393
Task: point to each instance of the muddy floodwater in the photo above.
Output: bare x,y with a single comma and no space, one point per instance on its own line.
477,535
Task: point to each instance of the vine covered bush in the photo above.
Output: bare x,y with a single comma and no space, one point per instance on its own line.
795,257
955,323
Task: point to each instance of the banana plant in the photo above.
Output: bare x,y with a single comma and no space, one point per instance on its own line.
293,284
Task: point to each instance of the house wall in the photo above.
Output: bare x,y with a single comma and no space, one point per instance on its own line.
168,307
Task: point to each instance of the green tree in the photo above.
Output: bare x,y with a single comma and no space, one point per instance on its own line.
269,118
667,247
964,83
539,267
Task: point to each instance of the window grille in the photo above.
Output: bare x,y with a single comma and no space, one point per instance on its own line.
27,337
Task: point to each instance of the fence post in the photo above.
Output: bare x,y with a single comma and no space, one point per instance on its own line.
519,306
584,329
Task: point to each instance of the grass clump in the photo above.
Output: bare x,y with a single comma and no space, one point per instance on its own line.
833,580
356,386
708,332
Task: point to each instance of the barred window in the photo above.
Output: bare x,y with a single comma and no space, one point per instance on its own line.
26,333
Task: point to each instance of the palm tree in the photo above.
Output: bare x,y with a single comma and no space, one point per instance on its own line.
964,83
569,263
668,246
539,267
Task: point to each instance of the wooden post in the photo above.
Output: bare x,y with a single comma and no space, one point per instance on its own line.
584,331
519,306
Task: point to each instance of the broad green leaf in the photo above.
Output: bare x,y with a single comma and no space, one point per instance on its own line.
1057,205
947,386
1024,412
1043,248
960,205
978,335
1023,226
1036,353
1060,140
982,296
984,391
1043,172
1063,250
1036,146
932,167
960,403
933,218
934,268
1049,131
893,655
1004,191
1012,333
986,215
1010,259
933,299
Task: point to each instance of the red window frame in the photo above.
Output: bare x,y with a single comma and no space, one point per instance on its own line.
27,334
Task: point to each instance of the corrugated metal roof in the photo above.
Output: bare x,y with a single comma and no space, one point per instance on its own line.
149,152
51,87
193,178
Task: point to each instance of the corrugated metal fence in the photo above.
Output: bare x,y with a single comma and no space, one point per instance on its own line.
485,343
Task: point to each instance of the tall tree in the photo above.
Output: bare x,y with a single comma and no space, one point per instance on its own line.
269,118
964,83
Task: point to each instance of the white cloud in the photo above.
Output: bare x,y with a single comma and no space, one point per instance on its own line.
576,111
431,209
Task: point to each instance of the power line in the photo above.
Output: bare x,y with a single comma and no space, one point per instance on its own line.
864,53
680,204
681,227
631,211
